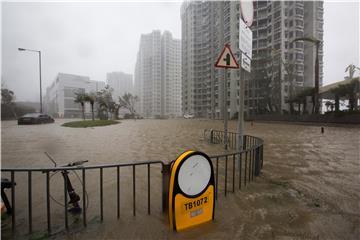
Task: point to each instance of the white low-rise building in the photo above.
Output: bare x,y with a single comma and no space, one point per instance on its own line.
60,96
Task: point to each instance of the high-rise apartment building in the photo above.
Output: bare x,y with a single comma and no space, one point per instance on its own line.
207,26
121,83
158,75
282,65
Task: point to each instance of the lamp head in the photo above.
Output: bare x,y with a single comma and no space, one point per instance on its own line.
21,49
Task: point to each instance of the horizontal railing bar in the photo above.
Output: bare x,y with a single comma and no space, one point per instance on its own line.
45,169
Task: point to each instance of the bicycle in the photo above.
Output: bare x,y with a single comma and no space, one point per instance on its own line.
74,197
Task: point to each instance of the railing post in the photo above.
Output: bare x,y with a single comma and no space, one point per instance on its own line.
211,135
257,161
165,186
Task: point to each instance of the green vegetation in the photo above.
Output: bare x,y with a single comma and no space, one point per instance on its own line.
128,102
10,109
85,124
107,107
80,97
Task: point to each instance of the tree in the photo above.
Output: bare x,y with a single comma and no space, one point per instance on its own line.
7,103
106,103
351,69
300,96
328,105
268,80
7,96
128,101
91,98
348,91
80,97
114,109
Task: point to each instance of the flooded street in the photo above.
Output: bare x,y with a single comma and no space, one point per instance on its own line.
309,187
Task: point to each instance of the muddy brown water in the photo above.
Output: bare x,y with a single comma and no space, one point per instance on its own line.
309,187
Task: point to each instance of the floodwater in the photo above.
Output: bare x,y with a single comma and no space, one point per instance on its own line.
309,187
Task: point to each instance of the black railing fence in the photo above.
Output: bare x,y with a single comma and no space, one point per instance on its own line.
42,198
237,168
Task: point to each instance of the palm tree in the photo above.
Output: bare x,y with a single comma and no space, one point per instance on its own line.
114,109
80,97
104,99
91,98
328,105
128,101
351,69
346,90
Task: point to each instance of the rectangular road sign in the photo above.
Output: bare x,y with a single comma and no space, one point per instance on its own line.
245,39
245,62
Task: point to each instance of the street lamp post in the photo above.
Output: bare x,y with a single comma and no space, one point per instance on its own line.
317,79
30,50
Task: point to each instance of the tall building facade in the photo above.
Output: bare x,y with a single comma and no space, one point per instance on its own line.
277,61
283,66
60,95
158,75
121,83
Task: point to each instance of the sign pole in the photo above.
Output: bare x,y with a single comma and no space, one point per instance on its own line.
240,126
245,46
225,112
226,60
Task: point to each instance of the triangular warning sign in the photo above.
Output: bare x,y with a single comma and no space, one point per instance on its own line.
226,59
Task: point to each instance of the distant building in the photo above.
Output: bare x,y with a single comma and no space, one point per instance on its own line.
121,83
59,98
158,75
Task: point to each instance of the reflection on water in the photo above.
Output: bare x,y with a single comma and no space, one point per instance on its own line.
309,188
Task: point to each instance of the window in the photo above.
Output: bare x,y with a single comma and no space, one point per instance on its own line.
299,44
299,11
299,56
299,67
299,22
277,14
70,91
277,36
277,24
69,103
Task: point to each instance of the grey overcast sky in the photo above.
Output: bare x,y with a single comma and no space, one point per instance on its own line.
93,38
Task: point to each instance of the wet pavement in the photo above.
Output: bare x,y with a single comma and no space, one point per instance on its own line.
309,187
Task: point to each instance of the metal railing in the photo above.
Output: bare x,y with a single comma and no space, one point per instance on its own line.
231,169
83,172
244,165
